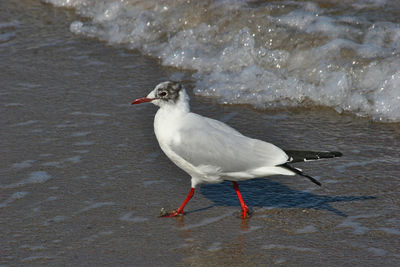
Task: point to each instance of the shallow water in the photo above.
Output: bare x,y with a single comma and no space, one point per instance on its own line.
82,178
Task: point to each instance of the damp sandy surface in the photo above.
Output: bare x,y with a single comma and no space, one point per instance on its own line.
82,179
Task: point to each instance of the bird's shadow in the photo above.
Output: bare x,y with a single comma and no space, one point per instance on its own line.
267,193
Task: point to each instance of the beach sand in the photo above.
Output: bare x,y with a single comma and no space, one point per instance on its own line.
82,178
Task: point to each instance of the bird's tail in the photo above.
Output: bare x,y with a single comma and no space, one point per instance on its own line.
299,156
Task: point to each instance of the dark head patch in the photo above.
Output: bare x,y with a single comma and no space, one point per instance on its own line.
168,91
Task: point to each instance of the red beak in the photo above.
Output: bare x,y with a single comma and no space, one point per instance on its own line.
142,100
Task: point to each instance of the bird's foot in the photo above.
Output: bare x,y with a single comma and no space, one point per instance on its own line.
245,213
173,213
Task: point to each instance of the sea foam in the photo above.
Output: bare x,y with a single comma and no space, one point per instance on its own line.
344,55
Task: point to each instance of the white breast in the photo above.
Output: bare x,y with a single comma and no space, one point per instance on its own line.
167,123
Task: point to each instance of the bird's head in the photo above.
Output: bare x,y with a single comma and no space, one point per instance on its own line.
165,93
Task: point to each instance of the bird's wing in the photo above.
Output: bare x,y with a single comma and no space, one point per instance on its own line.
204,141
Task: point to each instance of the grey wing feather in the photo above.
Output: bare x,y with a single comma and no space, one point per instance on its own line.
205,141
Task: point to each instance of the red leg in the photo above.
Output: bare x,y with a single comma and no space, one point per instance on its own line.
180,209
245,209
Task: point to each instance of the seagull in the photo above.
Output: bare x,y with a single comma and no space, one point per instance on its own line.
210,151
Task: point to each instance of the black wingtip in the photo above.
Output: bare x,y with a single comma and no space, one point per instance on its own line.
305,155
299,172
312,179
336,154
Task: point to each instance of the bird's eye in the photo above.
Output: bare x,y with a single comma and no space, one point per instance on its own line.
162,94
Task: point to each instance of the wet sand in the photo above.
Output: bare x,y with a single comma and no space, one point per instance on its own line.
82,178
